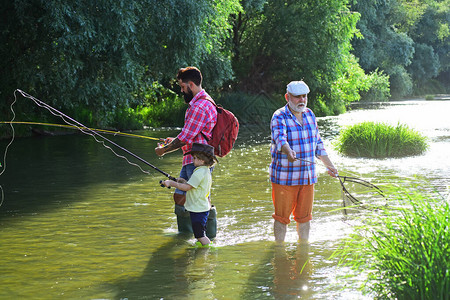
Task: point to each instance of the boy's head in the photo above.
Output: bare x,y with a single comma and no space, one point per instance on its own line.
205,153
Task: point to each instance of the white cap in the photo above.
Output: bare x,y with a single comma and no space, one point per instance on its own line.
297,88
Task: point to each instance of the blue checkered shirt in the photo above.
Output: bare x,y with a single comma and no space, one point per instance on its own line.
304,139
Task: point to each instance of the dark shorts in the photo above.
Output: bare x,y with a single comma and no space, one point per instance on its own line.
198,220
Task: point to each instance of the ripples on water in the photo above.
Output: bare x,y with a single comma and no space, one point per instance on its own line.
78,222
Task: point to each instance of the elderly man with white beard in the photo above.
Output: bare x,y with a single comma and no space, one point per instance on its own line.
296,143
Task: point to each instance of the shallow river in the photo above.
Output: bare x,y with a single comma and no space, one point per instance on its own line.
79,223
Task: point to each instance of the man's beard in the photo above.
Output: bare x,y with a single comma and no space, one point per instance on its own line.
297,108
188,96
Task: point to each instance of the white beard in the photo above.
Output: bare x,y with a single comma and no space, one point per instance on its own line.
298,109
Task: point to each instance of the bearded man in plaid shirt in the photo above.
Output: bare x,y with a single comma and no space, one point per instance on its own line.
199,121
295,144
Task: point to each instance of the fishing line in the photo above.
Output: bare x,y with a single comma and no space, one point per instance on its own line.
84,129
364,194
3,166
76,127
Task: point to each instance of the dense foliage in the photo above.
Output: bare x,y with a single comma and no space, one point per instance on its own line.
284,41
407,39
103,60
95,54
379,140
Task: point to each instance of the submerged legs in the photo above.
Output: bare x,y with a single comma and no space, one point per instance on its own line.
279,230
303,231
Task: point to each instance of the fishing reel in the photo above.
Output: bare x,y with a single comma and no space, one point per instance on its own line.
170,177
162,185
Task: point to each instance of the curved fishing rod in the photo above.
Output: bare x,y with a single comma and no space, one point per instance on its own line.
76,127
374,190
93,133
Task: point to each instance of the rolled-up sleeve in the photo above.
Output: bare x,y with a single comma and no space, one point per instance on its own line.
320,148
278,128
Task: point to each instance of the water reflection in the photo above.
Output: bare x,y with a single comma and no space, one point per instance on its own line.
175,270
292,272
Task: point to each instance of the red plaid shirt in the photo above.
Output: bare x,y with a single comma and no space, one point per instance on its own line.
201,117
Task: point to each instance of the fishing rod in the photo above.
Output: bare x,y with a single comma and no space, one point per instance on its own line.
373,192
93,133
76,127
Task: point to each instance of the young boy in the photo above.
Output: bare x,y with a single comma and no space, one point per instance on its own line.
197,189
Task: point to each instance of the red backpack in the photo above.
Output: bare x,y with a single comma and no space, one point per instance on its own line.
225,133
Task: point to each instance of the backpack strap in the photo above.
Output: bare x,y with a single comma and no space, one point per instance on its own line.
213,103
209,99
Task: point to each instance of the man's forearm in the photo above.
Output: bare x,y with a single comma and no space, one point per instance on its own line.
175,144
286,149
326,161
329,165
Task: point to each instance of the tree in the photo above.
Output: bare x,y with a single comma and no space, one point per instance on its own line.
94,54
385,45
407,39
193,32
242,23
295,40
72,53
432,37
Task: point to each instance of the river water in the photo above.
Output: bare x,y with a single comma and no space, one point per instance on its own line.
79,223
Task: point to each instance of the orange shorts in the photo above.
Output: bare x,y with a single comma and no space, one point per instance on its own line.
296,199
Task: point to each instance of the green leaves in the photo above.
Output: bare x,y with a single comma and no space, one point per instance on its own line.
95,54
293,40
98,54
402,38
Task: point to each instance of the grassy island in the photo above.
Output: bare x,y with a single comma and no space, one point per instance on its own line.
379,140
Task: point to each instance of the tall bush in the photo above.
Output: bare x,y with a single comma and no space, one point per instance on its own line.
379,88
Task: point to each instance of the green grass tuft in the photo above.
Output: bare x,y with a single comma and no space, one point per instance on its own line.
379,140
405,252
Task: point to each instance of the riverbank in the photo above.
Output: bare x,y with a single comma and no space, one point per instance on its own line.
257,110
362,104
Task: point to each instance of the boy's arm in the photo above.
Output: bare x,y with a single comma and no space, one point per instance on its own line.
181,180
181,186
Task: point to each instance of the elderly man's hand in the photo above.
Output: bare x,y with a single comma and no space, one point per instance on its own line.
332,171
